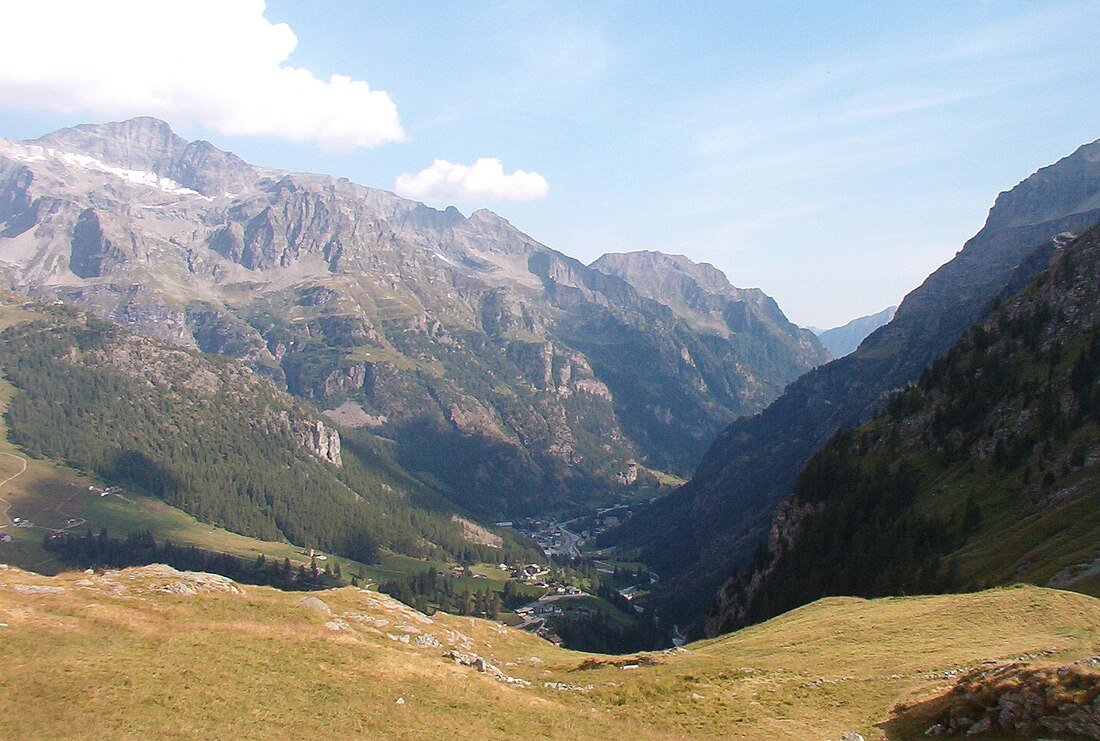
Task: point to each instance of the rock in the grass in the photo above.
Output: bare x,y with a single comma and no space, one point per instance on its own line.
163,578
981,726
315,603
36,589
477,662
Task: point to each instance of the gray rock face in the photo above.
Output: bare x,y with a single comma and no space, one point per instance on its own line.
149,145
322,441
513,373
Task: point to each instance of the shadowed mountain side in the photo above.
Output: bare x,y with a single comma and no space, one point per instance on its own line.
695,536
980,474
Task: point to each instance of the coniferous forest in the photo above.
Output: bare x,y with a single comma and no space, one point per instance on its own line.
952,486
210,437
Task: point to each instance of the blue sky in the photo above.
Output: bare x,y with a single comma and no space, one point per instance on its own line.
832,154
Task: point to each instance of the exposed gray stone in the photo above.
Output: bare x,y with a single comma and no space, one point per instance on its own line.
315,603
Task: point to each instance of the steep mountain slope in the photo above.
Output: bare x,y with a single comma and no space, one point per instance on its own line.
210,437
702,296
153,651
845,339
700,533
517,376
985,472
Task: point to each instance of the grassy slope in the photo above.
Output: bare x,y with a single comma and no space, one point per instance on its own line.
142,663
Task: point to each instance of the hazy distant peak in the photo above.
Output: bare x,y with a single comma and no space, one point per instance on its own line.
845,339
147,144
646,266
701,295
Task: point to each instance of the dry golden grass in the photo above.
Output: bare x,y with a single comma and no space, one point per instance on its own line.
111,656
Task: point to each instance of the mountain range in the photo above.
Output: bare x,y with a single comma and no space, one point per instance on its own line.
698,535
514,378
845,339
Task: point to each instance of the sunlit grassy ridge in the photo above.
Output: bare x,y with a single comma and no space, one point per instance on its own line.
115,656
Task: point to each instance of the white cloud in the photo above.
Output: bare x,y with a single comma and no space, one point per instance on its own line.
217,63
482,181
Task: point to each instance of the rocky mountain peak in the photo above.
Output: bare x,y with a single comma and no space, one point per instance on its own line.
700,294
1069,186
134,144
662,264
147,144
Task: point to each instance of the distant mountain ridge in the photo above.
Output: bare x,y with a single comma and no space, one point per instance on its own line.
702,296
700,533
845,339
515,376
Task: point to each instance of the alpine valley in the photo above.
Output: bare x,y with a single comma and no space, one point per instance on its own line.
226,385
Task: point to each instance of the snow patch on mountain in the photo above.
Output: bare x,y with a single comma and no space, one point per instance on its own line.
36,153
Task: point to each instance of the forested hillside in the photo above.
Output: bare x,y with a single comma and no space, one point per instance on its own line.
696,536
209,436
986,471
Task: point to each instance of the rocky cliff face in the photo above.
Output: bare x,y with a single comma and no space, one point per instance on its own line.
730,607
517,376
321,440
718,519
703,298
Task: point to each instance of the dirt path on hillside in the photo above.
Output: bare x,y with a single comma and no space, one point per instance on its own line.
6,504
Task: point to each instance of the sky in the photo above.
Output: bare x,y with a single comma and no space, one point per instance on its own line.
832,154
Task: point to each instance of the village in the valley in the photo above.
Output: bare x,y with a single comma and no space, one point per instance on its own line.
562,541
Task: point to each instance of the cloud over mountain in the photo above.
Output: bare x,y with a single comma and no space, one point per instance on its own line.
218,63
485,180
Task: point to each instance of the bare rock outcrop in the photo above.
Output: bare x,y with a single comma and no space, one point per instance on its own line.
321,440
163,578
1023,698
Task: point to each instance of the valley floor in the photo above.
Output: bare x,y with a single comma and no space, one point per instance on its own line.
155,652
